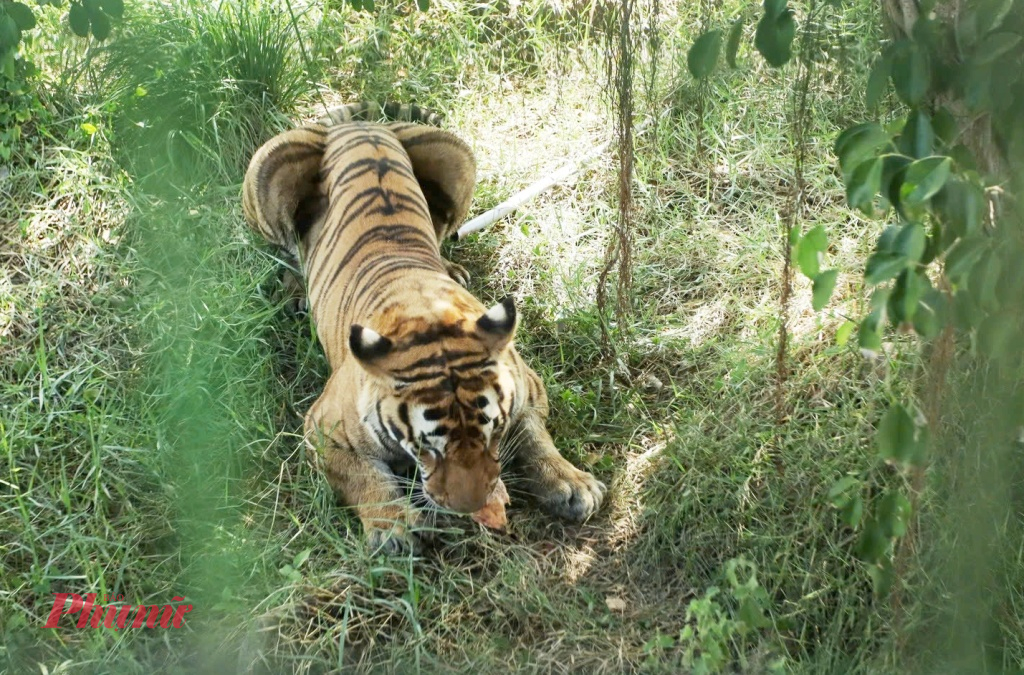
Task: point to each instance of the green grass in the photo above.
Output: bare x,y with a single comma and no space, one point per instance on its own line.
152,387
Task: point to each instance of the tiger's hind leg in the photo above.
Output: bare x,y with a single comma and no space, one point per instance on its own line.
457,272
293,292
560,488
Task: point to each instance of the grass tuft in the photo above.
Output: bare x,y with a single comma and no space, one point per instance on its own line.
200,86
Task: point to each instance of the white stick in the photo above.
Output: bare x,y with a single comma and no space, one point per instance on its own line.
537,187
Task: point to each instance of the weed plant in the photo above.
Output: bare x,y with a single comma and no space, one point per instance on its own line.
198,87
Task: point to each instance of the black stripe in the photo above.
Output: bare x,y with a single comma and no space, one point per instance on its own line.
372,277
403,415
435,333
483,363
441,359
401,235
396,432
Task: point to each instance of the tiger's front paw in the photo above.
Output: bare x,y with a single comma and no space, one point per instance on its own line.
395,530
393,541
574,495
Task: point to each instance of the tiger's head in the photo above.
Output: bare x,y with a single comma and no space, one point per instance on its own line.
444,391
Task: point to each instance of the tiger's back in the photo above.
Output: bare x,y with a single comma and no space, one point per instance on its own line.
373,259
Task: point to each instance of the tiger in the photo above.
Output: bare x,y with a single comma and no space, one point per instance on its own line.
423,376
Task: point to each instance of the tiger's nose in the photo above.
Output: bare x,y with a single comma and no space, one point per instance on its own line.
466,503
466,491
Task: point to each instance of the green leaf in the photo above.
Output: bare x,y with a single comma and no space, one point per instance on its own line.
100,24
78,17
752,615
732,44
966,27
944,125
894,514
840,492
853,511
864,184
113,8
869,336
807,259
963,257
21,13
877,82
301,557
917,139
424,5
994,46
930,315
7,68
996,335
774,8
961,206
809,250
859,143
817,237
882,266
824,284
992,13
873,544
907,292
794,235
774,37
843,332
10,36
703,55
910,241
924,178
911,73
897,436
983,282
893,169
882,577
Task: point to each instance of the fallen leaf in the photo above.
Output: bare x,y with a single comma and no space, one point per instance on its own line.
615,604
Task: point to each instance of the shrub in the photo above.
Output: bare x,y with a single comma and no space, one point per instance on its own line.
202,85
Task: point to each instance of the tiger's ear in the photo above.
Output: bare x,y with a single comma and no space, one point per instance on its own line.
368,346
445,169
497,326
281,195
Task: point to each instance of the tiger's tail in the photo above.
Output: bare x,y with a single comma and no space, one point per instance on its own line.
372,111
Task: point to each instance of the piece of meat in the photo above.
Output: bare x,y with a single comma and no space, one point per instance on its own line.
492,514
